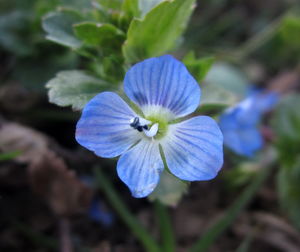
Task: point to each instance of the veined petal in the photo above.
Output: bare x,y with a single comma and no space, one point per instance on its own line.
140,167
244,140
194,149
162,83
104,126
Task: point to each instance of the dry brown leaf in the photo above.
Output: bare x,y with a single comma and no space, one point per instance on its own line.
30,143
269,229
65,193
48,173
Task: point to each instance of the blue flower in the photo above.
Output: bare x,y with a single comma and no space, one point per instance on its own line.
164,91
97,213
239,124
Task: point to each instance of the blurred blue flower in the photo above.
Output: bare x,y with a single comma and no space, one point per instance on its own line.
164,91
97,213
239,124
96,210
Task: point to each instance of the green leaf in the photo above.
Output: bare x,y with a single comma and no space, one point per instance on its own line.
229,78
286,124
9,155
289,191
104,35
74,88
111,4
169,190
286,120
15,33
146,5
198,67
78,4
290,31
139,8
158,31
58,26
241,174
33,72
131,8
214,97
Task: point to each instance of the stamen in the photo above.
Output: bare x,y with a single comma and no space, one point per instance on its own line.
141,125
152,131
135,122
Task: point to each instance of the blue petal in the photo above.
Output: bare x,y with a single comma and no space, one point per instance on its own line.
194,149
140,167
245,112
163,82
229,119
266,101
240,130
239,124
250,110
104,126
244,141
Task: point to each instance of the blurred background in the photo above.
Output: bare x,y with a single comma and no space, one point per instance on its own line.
50,197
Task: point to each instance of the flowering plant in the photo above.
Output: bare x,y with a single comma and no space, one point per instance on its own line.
164,91
138,103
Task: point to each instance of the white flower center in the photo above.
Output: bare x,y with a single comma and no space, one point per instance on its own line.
141,125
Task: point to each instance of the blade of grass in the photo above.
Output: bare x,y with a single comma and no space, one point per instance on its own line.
166,231
246,243
261,37
9,155
234,210
132,223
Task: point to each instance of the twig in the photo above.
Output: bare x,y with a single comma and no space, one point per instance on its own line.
285,81
65,239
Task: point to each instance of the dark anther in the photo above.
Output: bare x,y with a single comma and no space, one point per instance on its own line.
135,123
139,128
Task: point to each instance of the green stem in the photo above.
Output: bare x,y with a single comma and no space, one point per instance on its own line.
133,224
261,38
231,214
166,231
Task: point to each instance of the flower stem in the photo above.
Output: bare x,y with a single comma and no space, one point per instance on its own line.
166,231
132,223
